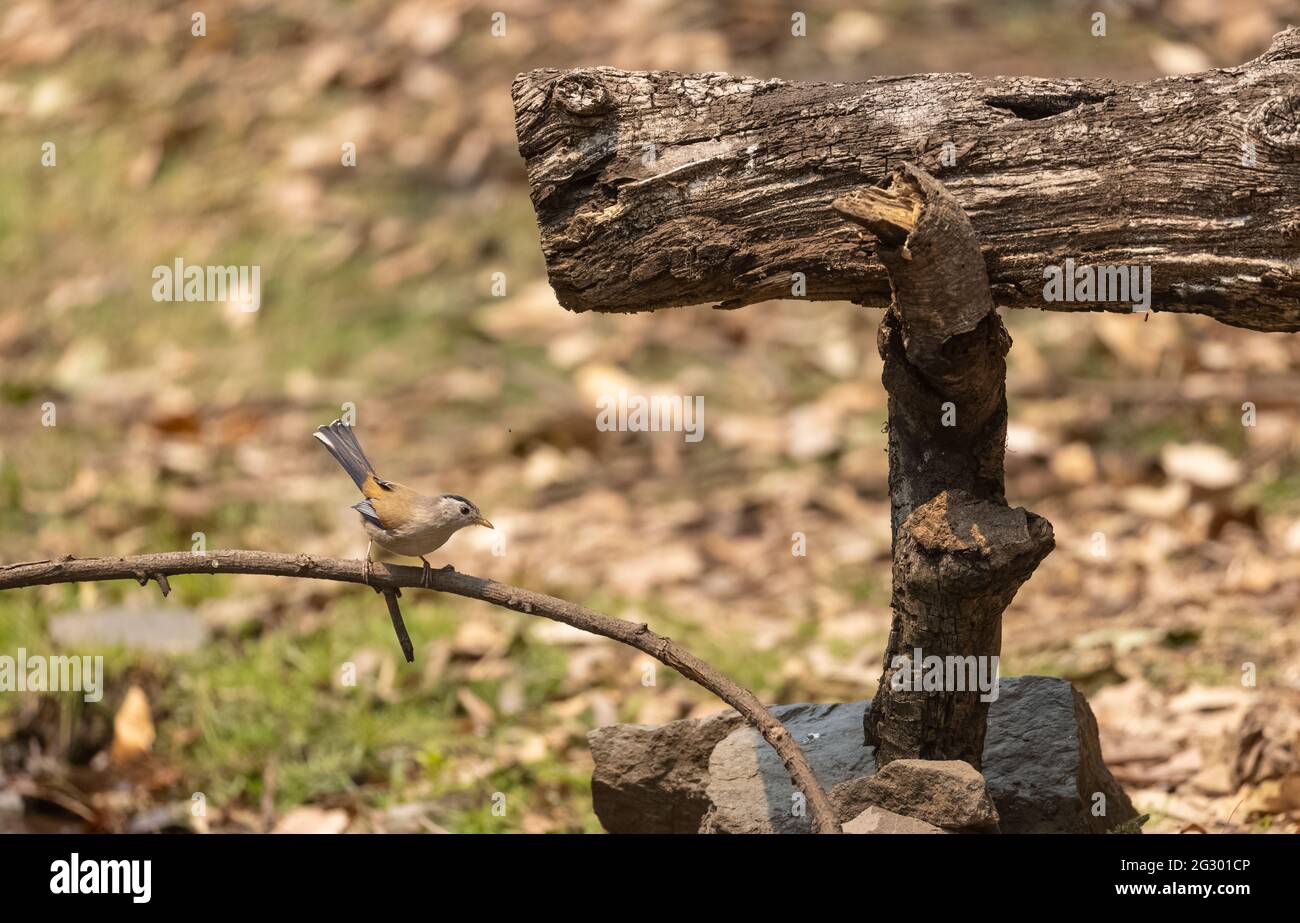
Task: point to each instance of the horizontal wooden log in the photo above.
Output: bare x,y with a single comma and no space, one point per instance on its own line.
658,189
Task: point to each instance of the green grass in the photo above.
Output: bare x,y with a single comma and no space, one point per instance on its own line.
278,696
258,697
1280,493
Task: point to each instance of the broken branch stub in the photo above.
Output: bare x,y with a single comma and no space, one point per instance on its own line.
958,563
658,189
959,552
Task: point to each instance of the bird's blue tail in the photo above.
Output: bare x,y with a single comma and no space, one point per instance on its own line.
342,444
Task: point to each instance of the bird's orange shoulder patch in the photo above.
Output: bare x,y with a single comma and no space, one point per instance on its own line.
373,487
393,504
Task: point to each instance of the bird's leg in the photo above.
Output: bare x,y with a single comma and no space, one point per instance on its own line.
367,569
426,576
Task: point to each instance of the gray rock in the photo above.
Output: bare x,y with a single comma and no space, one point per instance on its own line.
651,779
850,798
878,820
946,793
1042,765
748,786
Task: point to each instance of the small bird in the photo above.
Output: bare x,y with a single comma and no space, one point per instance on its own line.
395,517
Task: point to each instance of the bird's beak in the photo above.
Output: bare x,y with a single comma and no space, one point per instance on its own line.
483,522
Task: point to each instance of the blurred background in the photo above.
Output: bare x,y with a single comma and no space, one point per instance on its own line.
174,419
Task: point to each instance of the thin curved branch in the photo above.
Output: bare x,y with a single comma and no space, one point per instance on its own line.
386,577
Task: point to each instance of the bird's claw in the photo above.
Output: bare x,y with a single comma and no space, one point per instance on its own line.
426,574
368,575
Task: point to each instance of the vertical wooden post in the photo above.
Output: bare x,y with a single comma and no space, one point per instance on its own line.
959,552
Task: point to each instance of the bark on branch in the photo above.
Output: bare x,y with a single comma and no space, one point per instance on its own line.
661,189
388,579
959,552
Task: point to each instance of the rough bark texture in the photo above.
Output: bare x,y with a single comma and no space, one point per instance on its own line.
959,552
661,189
958,563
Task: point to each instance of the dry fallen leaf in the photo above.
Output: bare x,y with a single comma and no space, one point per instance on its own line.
1175,58
480,637
311,819
480,712
1074,464
133,730
1201,464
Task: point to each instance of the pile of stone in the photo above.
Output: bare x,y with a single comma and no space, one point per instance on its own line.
1041,772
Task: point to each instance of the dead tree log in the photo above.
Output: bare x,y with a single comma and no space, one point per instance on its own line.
959,552
658,189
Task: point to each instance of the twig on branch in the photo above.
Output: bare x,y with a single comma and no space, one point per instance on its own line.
390,578
399,626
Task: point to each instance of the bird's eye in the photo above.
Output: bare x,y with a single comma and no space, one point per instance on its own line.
464,510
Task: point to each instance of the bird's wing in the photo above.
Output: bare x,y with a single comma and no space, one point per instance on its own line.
395,506
374,486
367,511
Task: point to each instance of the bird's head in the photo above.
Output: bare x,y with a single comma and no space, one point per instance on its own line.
460,512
